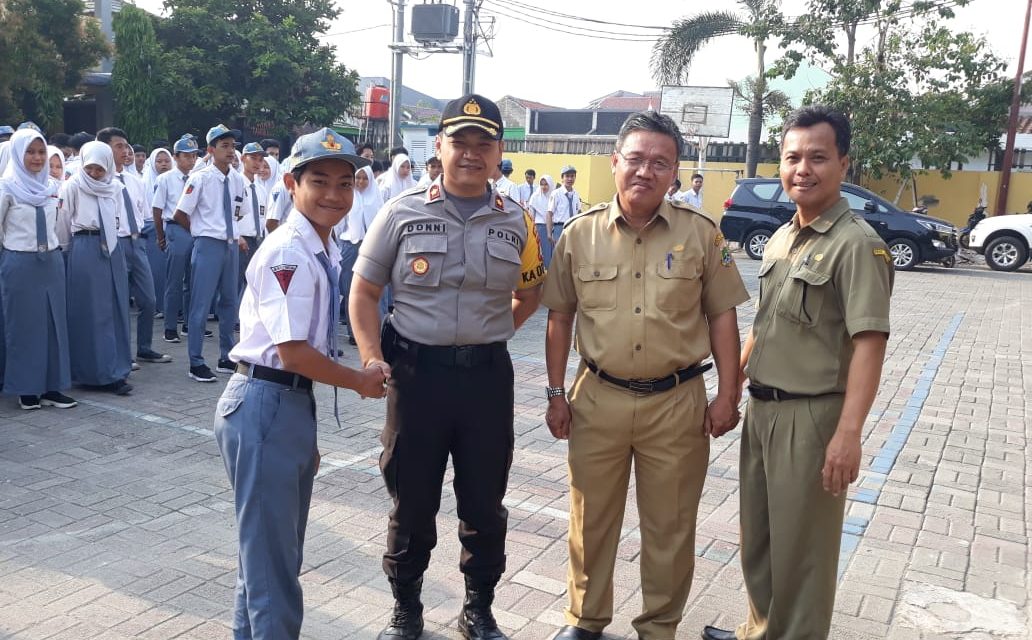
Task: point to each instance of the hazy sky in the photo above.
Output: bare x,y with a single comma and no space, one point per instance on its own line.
538,63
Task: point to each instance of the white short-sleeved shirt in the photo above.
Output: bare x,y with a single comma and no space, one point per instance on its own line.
287,296
690,197
279,203
507,187
18,224
246,226
202,201
559,204
523,193
138,196
167,191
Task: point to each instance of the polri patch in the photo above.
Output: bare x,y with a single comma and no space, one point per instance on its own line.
420,265
284,274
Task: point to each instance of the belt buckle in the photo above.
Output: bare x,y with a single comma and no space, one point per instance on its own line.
464,356
641,386
775,394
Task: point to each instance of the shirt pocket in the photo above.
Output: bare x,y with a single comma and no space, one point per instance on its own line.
503,266
803,295
597,287
423,260
765,268
679,285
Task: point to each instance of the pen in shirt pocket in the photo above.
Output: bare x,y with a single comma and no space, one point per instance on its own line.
669,259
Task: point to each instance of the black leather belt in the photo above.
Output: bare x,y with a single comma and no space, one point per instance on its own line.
772,394
278,376
652,385
87,232
467,356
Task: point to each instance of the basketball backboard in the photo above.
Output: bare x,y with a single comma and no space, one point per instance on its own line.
699,111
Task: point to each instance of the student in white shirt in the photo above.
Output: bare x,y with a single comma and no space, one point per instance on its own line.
141,280
538,206
265,421
693,196
159,162
210,207
98,282
32,279
527,188
175,242
252,227
563,204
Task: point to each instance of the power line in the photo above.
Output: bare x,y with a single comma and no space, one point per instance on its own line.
585,32
341,33
557,14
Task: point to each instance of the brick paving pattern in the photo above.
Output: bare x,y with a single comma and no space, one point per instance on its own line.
116,519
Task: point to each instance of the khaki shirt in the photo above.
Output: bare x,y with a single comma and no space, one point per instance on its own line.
642,296
453,278
820,285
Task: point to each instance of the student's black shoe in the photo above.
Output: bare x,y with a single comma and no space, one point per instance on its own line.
149,355
120,388
172,336
202,373
59,400
713,633
29,402
225,366
207,332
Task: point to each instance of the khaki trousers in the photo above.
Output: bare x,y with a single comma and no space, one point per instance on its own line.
791,526
663,434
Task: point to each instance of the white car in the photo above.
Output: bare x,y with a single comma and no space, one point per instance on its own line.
1003,240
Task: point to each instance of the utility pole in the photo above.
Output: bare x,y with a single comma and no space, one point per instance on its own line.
1012,126
469,48
399,36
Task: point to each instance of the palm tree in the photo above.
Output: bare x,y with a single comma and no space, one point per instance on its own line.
673,54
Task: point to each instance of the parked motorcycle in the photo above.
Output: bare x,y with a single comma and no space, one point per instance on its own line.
964,236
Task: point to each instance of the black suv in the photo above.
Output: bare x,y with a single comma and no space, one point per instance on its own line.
758,206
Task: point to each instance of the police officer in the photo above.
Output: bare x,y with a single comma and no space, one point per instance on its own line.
211,207
265,420
813,360
465,267
653,289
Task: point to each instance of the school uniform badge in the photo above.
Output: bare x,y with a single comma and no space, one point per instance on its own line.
725,256
189,188
420,266
284,274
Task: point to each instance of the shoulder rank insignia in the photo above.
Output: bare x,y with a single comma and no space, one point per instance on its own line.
434,193
284,274
884,254
718,240
499,202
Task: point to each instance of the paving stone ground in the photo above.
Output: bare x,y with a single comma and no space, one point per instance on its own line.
116,519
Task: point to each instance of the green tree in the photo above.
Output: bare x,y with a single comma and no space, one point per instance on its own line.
46,46
256,60
674,54
137,76
917,91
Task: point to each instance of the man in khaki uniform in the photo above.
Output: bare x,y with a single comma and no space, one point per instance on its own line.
813,359
654,289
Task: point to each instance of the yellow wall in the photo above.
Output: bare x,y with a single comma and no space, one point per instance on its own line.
957,196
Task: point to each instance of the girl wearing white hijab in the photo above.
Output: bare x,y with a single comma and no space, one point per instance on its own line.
56,164
275,173
98,281
398,178
159,161
538,206
32,278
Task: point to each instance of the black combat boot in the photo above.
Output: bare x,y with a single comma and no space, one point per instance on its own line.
407,618
476,621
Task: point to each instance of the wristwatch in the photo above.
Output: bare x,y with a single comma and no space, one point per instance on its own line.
555,392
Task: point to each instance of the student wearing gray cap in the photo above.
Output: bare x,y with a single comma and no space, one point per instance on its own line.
265,422
466,271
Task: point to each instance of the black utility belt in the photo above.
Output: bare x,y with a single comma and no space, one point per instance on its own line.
652,385
87,232
465,356
278,376
773,394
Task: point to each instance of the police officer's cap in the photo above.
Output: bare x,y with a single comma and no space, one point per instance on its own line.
569,168
322,145
506,165
472,110
252,147
6,130
221,131
186,144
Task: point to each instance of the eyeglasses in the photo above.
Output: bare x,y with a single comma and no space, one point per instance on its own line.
634,162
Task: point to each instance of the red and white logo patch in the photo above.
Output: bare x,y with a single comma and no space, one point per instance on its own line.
284,274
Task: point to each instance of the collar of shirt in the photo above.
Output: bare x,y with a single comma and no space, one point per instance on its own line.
661,213
827,219
313,243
